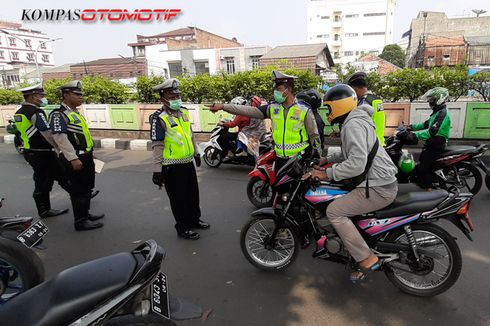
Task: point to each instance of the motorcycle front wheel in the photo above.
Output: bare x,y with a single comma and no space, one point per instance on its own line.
254,244
431,276
260,192
213,157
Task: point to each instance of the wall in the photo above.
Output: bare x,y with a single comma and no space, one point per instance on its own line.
419,112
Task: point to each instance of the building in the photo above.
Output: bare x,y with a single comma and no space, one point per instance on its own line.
351,27
313,57
20,49
438,26
125,70
372,63
59,72
244,58
478,52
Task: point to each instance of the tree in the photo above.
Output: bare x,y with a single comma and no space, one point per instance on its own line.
99,89
52,89
144,89
406,83
480,82
393,53
10,96
343,72
454,79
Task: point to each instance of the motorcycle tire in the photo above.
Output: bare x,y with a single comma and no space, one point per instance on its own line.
256,189
131,320
487,181
454,254
25,263
465,168
215,162
263,227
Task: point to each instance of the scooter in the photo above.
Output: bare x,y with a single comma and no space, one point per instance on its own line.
122,289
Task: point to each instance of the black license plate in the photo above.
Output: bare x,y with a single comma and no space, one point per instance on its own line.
33,234
159,296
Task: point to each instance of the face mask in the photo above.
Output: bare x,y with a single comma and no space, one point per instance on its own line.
175,104
279,96
44,102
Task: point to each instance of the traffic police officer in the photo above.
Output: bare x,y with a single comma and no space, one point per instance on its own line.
294,128
71,134
358,82
30,121
174,153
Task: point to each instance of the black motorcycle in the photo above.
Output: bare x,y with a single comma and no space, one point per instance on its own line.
456,167
122,289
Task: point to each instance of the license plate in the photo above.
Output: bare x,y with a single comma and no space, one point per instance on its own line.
159,296
33,234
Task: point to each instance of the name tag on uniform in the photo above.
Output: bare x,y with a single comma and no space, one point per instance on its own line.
276,110
184,117
17,118
172,122
296,114
76,120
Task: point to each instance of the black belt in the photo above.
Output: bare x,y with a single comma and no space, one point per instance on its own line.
39,150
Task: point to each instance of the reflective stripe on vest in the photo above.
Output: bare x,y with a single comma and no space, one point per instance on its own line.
177,144
26,129
289,134
78,126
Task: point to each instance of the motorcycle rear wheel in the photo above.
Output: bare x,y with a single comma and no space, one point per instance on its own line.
470,176
213,157
413,279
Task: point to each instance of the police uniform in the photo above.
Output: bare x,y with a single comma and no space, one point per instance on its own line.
294,128
71,134
174,153
39,152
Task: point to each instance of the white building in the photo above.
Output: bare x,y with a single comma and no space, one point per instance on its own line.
19,49
351,27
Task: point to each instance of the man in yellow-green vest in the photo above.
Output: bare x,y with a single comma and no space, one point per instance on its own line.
39,149
72,136
294,127
174,155
358,81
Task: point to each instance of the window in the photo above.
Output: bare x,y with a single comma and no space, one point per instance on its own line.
352,16
336,55
30,57
45,58
373,33
15,55
141,51
446,57
325,17
430,60
255,61
337,19
336,37
322,36
42,45
1,55
374,14
202,67
175,69
12,41
351,34
348,53
230,65
28,43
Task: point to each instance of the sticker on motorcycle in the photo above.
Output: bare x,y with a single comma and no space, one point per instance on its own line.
31,236
159,296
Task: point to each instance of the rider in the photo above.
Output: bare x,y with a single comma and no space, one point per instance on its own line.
358,82
254,132
239,121
435,131
358,141
294,128
313,98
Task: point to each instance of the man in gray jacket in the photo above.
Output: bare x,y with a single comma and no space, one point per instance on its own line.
358,139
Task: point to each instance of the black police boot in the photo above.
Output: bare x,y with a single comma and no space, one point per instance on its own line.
81,205
84,224
189,235
201,225
44,206
95,217
94,193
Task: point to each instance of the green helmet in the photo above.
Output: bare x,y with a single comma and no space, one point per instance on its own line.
406,163
436,96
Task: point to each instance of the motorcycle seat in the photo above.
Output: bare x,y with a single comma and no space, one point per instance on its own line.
70,294
457,150
413,202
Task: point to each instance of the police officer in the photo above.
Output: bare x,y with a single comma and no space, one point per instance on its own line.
174,153
71,134
358,82
294,128
30,121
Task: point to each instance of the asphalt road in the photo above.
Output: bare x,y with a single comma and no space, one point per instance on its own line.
213,273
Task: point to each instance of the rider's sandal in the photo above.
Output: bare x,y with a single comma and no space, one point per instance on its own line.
364,272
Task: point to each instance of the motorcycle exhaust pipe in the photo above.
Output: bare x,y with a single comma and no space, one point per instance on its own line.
396,247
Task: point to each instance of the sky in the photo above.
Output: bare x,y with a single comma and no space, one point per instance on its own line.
252,22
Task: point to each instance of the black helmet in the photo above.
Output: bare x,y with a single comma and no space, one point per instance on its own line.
310,96
340,100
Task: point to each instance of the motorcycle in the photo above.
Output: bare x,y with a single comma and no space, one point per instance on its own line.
122,289
456,167
20,267
214,155
417,256
12,129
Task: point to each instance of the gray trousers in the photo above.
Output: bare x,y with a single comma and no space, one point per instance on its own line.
353,204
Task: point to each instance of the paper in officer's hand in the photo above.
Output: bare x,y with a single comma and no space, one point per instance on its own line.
98,165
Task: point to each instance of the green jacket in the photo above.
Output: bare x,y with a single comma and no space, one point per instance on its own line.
438,124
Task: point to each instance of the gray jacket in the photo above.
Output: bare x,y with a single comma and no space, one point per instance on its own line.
357,139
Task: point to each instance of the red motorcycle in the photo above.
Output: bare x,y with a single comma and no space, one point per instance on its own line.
262,177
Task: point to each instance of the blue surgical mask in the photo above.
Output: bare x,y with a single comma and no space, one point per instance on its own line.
175,104
279,96
44,102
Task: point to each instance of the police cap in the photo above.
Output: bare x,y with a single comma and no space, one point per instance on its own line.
280,78
74,86
170,85
35,89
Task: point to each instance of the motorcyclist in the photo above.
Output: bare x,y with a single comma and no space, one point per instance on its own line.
361,158
434,131
313,98
239,121
250,136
